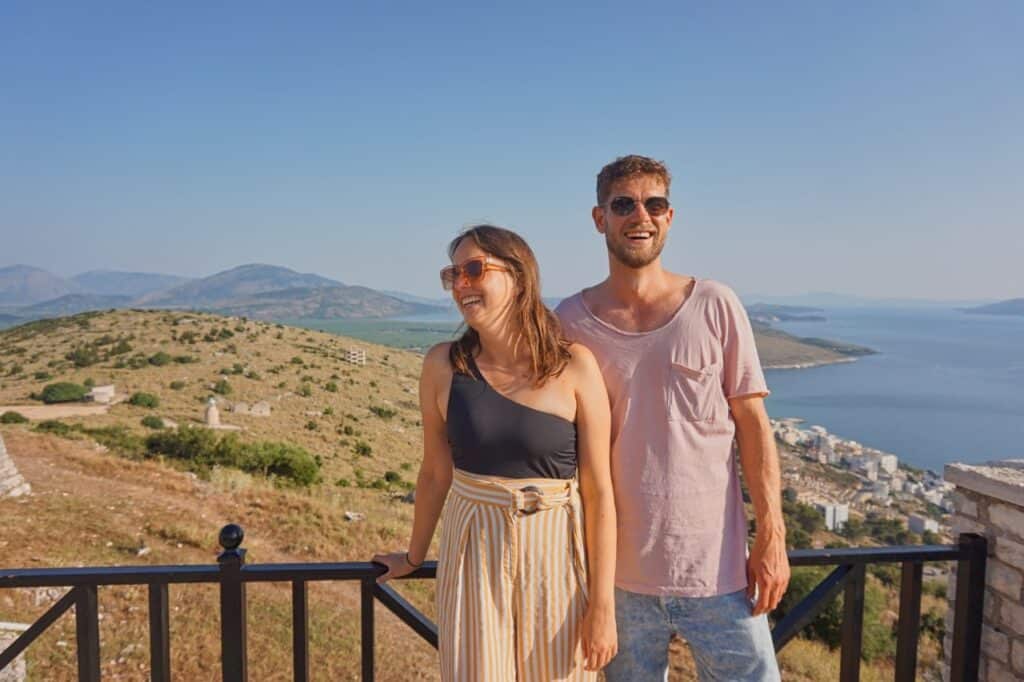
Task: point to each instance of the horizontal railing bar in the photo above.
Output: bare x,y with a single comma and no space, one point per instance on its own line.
353,570
359,570
874,555
196,573
107,575
37,628
408,613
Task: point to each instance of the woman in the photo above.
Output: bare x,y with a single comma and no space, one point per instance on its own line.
512,412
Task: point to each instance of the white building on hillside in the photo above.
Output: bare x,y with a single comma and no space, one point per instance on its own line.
836,515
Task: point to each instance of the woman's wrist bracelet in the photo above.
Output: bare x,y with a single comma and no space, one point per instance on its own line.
409,561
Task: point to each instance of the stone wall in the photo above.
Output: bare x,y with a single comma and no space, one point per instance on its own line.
15,672
11,482
989,500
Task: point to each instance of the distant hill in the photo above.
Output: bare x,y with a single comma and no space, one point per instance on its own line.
72,304
24,285
131,284
324,303
1014,306
9,320
226,288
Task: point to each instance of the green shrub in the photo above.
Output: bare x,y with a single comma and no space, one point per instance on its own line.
62,392
222,387
177,385
383,412
343,483
152,422
144,400
331,387
160,359
11,417
298,361
84,355
89,383
305,390
201,449
311,426
53,426
363,448
42,376
392,476
289,462
120,348
185,359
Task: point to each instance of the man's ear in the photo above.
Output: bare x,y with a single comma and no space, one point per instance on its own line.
597,213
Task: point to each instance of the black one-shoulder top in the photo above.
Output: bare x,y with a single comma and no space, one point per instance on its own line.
492,435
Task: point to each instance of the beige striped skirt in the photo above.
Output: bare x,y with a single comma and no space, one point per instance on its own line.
511,580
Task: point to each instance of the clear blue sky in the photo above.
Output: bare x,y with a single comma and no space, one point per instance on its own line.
870,148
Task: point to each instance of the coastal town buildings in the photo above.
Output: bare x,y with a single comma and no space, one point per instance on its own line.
884,484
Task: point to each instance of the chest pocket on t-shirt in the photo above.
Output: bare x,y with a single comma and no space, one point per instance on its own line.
693,394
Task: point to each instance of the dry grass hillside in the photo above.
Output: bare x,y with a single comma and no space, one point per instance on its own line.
104,503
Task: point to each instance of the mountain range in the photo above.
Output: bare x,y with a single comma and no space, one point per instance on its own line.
254,290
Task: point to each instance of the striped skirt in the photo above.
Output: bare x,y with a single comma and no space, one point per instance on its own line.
511,581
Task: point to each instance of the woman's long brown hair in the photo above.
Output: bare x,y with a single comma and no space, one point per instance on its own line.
535,326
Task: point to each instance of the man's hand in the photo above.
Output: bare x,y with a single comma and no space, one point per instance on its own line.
767,570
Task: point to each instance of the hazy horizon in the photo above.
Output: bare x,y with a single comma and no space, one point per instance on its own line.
874,150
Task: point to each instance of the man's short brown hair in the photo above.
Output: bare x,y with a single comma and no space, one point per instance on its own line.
627,167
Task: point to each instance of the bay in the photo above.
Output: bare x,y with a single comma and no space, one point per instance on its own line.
945,386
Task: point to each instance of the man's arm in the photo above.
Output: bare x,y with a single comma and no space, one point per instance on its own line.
768,565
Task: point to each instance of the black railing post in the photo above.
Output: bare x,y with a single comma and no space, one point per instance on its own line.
159,634
366,608
232,605
853,626
970,597
300,631
910,620
87,633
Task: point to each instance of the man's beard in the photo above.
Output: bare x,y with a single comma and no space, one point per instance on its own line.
633,258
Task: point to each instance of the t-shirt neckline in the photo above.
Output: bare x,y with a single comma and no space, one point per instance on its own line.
668,323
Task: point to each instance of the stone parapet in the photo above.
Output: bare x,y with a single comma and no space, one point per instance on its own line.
16,671
12,484
989,500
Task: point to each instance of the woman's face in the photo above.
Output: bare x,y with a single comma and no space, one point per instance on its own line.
483,302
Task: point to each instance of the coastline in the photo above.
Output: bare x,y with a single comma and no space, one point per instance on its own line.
809,365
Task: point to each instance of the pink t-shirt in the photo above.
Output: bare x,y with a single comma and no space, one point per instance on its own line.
682,526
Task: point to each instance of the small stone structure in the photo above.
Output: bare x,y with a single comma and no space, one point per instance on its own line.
355,356
212,415
989,500
102,394
12,484
15,671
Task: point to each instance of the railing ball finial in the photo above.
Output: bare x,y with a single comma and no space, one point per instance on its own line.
231,536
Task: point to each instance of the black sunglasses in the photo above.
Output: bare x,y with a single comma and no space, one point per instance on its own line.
624,206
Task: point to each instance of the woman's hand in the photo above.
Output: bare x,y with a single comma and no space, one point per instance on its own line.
598,638
397,564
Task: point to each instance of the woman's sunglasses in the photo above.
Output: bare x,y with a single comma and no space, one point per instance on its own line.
473,270
624,206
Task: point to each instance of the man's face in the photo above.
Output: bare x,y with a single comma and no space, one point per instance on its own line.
635,240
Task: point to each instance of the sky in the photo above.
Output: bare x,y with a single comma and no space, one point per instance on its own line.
869,148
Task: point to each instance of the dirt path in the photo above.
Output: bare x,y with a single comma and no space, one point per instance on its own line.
40,412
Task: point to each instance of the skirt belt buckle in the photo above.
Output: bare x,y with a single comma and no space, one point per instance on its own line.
537,504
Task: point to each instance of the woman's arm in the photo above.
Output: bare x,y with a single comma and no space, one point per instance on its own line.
593,424
435,475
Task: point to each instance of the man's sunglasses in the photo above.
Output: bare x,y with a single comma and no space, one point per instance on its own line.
473,270
624,206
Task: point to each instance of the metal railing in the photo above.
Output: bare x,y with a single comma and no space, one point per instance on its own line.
232,575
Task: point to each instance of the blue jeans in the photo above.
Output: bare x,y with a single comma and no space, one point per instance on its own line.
727,642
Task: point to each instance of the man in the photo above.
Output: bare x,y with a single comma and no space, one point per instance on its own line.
684,381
